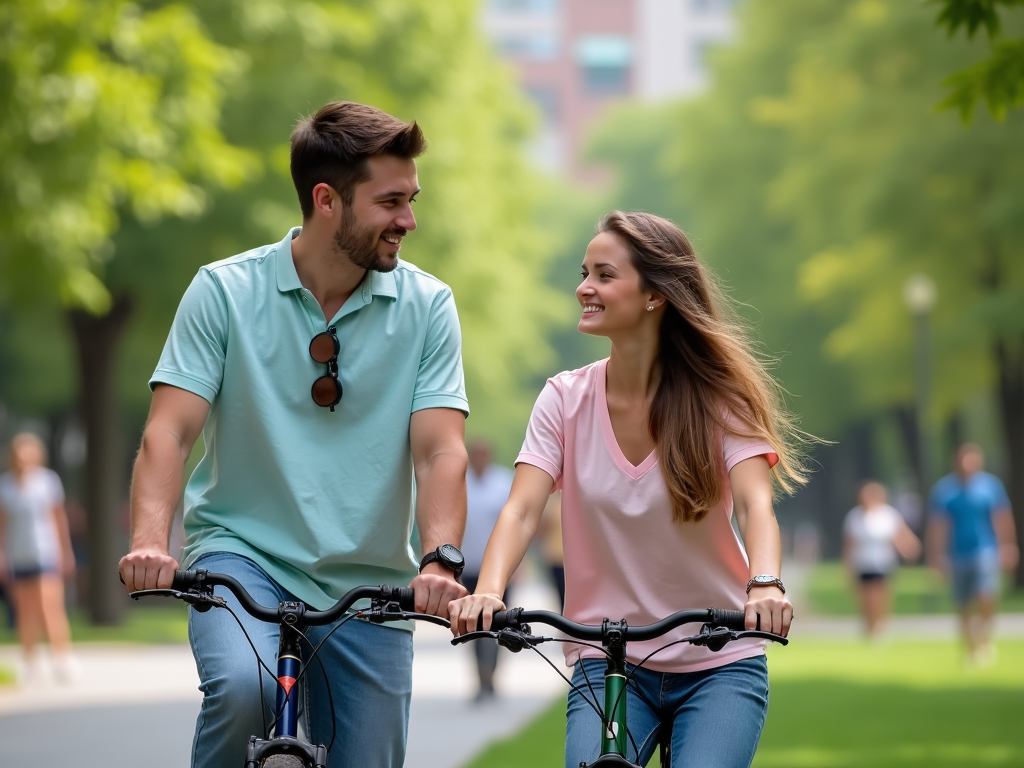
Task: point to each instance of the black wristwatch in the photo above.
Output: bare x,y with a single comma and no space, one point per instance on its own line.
447,555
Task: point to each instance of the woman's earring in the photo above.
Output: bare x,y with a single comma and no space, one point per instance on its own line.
650,308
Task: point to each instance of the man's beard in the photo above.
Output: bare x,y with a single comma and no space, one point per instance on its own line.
359,244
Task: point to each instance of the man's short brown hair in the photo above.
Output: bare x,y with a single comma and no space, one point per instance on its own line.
332,148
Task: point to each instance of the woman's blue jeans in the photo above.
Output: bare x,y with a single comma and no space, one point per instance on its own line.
368,668
716,714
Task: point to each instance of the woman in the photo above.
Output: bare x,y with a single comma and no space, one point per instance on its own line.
874,538
654,448
36,555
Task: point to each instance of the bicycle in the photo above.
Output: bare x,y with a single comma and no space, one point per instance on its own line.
719,627
285,749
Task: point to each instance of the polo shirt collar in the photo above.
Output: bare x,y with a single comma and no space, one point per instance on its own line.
374,283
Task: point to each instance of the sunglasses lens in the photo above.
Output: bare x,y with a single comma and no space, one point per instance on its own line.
323,347
326,391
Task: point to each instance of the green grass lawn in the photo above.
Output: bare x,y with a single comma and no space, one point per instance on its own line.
142,624
852,705
916,590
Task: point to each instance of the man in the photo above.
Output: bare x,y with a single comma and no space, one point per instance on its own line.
325,374
970,536
487,487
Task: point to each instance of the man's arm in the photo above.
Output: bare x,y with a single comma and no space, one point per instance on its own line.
1006,535
437,440
936,542
176,417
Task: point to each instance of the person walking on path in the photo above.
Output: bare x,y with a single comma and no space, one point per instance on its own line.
970,537
875,537
655,449
487,487
36,556
326,377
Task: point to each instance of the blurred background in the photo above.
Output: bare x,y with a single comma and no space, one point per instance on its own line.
851,170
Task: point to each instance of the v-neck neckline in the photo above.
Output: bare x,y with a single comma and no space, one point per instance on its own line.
635,471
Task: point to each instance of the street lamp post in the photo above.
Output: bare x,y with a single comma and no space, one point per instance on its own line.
919,294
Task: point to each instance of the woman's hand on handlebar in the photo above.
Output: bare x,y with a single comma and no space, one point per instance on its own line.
147,569
465,614
768,609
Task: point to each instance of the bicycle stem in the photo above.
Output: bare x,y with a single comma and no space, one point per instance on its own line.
613,738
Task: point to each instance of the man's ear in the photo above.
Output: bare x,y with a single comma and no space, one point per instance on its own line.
325,200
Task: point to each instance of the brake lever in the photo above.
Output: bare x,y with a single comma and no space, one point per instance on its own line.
512,639
391,611
716,639
202,601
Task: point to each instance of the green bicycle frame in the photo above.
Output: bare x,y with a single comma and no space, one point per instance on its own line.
613,738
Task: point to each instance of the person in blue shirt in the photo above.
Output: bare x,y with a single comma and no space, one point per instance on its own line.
970,537
325,375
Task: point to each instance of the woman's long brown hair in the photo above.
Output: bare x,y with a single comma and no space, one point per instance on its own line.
711,381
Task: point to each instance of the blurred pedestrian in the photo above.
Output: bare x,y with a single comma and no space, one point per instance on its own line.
36,556
487,489
970,536
875,536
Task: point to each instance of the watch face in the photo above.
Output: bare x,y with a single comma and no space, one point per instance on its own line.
764,579
450,554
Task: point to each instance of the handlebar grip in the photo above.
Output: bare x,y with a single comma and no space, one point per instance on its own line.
184,580
503,619
735,620
406,598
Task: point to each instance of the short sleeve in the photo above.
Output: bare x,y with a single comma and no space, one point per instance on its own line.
194,354
54,487
439,381
737,448
544,446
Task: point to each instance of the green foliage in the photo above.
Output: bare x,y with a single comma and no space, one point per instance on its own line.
108,109
997,80
849,704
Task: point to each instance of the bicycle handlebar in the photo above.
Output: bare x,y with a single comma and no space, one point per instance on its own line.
717,617
199,579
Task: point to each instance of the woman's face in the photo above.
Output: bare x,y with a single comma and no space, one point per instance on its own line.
25,454
610,294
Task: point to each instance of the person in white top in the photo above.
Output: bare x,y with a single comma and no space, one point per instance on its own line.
655,449
875,536
36,555
487,487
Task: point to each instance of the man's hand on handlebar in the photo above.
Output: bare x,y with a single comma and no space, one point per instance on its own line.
465,614
768,609
435,588
147,569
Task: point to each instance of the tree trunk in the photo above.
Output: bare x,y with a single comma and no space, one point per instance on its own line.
96,339
1010,361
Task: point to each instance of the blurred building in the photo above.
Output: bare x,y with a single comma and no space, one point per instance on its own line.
575,58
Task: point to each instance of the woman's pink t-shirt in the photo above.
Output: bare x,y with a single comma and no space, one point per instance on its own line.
624,557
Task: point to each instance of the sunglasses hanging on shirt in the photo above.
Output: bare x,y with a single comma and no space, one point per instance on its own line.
324,349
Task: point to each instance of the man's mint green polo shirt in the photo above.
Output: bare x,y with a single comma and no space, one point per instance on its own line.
322,501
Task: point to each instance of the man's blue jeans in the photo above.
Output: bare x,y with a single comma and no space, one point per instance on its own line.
716,714
368,668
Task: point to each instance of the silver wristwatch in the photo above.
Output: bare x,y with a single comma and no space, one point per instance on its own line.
766,580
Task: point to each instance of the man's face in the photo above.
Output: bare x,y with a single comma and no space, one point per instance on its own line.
372,227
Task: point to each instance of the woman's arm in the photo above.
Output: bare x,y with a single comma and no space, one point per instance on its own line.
767,606
906,542
67,554
506,548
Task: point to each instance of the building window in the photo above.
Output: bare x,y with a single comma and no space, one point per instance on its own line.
537,46
605,61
